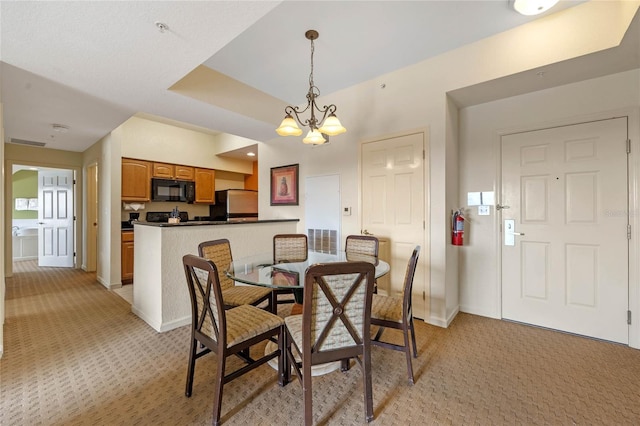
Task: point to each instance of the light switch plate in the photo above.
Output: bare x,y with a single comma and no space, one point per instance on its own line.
346,211
474,199
483,210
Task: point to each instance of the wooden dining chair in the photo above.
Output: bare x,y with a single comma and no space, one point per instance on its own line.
362,244
334,326
288,248
226,332
396,312
219,252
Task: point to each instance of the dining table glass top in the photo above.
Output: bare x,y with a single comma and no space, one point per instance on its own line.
260,269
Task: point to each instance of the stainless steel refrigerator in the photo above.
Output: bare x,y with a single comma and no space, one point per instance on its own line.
235,205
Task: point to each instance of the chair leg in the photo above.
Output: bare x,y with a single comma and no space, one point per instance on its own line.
413,337
407,351
345,364
191,367
368,392
308,394
282,357
287,360
217,398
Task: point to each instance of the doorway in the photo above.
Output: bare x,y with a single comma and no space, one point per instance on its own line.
565,248
92,218
43,218
393,206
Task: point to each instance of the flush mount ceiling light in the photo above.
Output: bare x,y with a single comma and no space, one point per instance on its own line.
533,7
328,124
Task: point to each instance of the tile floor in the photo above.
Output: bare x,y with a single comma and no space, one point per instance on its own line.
126,292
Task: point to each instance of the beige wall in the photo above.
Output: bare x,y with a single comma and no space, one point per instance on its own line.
150,140
2,231
481,127
416,97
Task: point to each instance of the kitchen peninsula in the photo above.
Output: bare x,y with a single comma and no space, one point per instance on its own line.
160,294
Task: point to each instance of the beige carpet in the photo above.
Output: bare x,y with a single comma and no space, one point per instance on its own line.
76,355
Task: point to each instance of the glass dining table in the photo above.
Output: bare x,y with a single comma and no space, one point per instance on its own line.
261,271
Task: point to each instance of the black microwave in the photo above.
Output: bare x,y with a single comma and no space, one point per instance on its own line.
173,190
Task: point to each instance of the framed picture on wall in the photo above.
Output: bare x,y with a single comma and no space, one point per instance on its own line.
284,185
22,203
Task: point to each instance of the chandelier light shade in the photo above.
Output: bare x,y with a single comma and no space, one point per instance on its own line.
326,123
533,7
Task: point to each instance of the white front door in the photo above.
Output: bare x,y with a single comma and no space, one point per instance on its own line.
393,182
55,218
566,192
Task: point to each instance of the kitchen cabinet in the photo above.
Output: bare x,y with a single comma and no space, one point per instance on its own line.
127,257
205,186
184,172
173,171
163,170
136,180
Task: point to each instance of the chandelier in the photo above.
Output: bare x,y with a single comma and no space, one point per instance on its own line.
327,124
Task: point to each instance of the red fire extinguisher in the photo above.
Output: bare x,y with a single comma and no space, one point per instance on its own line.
457,228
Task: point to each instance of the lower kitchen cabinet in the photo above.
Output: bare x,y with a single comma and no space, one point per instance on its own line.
127,257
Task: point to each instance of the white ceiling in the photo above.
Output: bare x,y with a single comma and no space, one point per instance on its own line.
92,65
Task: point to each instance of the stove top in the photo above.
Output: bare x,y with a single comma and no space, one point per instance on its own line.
158,217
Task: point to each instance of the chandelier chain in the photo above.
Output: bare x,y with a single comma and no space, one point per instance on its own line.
311,74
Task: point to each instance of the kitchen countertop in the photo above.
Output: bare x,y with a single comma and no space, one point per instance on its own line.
211,222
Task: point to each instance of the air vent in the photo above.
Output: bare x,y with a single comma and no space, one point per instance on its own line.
24,142
323,240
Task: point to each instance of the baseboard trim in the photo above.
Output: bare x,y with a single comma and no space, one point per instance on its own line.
442,322
171,325
479,312
153,324
161,327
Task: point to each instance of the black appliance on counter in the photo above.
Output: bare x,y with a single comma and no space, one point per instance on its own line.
133,217
173,190
160,217
235,205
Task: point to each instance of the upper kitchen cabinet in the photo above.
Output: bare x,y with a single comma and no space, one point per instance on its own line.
172,171
163,170
205,186
184,172
136,180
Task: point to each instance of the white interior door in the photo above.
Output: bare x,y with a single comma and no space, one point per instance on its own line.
566,189
55,218
92,218
393,185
